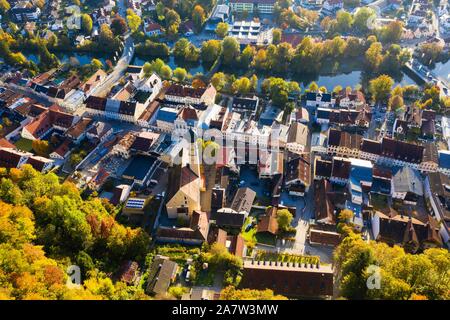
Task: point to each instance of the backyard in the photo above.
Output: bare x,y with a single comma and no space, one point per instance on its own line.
252,238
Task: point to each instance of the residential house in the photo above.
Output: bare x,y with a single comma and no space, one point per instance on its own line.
25,11
340,172
183,195
407,185
162,274
243,200
350,99
245,105
408,232
229,219
180,94
99,131
78,131
298,138
318,99
47,121
120,194
96,79
437,192
270,163
322,168
342,143
153,29
324,208
297,175
195,234
268,222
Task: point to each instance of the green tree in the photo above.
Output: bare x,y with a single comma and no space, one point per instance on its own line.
230,50
395,102
210,50
4,6
118,26
361,19
284,219
165,72
219,80
374,56
180,47
198,17
41,147
242,85
381,87
180,74
246,56
96,64
313,87
134,21
276,36
172,18
344,21
86,23
222,29
392,32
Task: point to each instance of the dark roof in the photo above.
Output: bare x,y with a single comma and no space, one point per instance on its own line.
37,163
324,207
268,222
326,97
217,198
97,103
230,219
344,139
323,168
293,281
9,158
298,168
139,167
430,153
185,91
245,103
324,237
197,230
400,150
407,231
341,168
243,200
162,271
371,146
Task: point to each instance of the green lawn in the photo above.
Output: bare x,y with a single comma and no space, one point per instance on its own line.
379,202
250,235
24,144
265,238
205,277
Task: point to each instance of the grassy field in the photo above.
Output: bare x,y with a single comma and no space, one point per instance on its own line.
24,144
252,238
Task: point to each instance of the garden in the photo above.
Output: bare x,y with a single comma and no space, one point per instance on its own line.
262,255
